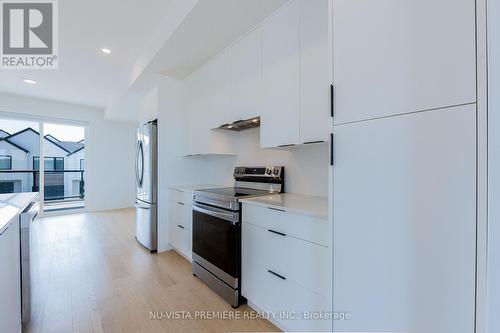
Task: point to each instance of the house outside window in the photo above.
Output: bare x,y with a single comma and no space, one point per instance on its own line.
54,181
82,164
51,163
5,162
6,187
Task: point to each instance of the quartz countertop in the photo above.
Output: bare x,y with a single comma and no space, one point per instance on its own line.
293,203
11,205
193,187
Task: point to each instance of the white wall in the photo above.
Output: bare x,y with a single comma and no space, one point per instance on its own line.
306,169
109,147
493,264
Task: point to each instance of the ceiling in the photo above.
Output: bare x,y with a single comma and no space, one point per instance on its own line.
209,27
147,38
85,74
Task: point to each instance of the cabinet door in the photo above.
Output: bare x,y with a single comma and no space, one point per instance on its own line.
205,99
405,222
246,76
315,61
217,87
10,280
280,71
400,56
191,104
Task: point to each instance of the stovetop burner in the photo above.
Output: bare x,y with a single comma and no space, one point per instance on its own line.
249,181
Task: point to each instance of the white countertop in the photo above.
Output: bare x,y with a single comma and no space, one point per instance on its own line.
11,205
294,203
193,187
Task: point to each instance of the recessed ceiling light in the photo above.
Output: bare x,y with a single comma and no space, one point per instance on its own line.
107,51
30,81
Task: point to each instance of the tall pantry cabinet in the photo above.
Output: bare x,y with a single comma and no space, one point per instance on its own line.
404,171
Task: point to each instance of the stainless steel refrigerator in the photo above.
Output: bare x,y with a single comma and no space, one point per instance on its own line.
146,161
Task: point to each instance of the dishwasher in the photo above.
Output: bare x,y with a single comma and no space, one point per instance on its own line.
27,217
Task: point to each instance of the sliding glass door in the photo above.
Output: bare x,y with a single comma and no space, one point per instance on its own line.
64,156
24,143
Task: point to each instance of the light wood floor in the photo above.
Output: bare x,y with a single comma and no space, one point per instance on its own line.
89,275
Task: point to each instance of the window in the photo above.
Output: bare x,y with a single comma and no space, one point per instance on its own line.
5,162
51,163
6,187
82,164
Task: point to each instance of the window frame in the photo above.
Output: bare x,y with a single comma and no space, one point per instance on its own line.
54,159
10,162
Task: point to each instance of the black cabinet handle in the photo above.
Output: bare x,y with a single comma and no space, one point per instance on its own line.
313,142
331,148
332,92
289,145
276,274
181,203
180,226
276,232
276,209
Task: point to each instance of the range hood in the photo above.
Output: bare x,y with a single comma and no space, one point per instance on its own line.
241,125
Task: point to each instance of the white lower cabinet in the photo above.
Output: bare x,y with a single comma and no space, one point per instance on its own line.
180,239
283,274
180,222
10,280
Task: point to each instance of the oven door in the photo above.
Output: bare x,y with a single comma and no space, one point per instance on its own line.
216,241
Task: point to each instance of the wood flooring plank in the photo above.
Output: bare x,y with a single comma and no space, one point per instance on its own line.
90,275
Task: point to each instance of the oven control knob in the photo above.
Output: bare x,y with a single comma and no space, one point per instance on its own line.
276,171
268,172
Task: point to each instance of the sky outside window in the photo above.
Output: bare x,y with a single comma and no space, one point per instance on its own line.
61,132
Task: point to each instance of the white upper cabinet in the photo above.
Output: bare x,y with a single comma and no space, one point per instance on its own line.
204,101
398,56
217,77
246,76
280,72
405,222
315,78
296,75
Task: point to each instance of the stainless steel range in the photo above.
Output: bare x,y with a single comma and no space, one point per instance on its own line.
217,228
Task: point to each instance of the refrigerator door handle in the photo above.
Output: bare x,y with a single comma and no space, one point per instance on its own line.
138,205
139,162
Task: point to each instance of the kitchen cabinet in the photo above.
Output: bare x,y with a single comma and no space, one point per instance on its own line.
10,279
296,76
315,78
204,98
280,73
246,77
394,57
405,222
286,267
180,222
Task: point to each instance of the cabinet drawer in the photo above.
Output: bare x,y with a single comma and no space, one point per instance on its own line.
180,213
180,239
181,196
271,293
306,264
305,227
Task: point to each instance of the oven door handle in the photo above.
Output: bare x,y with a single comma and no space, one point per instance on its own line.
219,213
